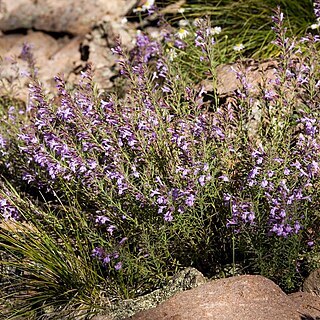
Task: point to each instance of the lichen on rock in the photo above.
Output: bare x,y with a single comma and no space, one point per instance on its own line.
184,280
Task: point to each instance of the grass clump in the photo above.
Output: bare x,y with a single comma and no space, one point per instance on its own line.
248,22
114,196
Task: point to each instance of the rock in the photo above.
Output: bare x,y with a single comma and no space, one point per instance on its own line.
7,42
18,14
88,29
243,297
71,16
256,73
308,305
12,68
184,280
99,43
62,56
312,283
102,317
64,61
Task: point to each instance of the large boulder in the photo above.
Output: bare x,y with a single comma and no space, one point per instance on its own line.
312,283
244,297
51,57
67,56
71,16
308,305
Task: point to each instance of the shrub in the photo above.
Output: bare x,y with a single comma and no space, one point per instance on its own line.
136,188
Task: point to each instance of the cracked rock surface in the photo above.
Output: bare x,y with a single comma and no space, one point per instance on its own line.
64,36
76,17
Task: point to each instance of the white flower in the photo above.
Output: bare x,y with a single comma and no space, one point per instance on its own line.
181,10
124,20
216,30
138,33
183,23
182,33
147,6
238,47
172,54
138,9
315,26
197,22
155,34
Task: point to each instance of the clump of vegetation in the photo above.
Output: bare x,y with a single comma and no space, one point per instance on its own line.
248,21
110,197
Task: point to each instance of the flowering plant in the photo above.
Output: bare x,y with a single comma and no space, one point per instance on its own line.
161,179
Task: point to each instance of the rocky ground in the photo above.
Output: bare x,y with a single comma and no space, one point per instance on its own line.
66,35
191,296
242,297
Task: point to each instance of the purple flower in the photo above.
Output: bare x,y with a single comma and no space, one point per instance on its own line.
107,259
264,183
190,200
123,240
118,266
27,55
175,194
254,172
286,171
297,227
310,243
65,113
102,219
166,89
162,200
154,192
115,255
270,95
270,173
161,208
2,143
168,216
122,186
202,180
316,9
111,229
227,197
224,178
282,213
8,211
117,49
98,252
135,173
241,212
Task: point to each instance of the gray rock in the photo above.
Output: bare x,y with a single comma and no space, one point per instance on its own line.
184,280
61,56
312,283
72,16
51,57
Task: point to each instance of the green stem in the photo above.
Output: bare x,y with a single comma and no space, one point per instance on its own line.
233,255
